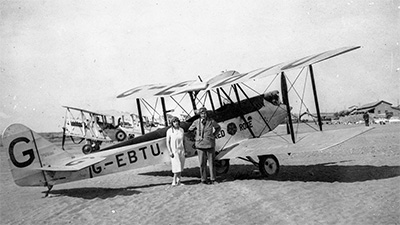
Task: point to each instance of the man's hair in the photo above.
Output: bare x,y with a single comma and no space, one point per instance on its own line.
202,109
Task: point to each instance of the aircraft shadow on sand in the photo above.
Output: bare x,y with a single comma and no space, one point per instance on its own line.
105,193
92,192
324,172
102,193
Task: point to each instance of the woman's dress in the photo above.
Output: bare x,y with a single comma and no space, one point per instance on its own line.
176,143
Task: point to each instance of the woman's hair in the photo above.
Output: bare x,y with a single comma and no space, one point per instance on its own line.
175,119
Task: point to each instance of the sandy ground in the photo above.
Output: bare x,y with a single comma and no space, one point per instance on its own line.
357,182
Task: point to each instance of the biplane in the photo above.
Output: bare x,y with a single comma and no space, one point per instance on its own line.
95,128
246,123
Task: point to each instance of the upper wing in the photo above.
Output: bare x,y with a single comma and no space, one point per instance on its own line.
160,90
231,77
83,110
307,142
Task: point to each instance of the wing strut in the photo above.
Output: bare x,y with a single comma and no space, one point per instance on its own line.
63,138
234,86
241,115
65,127
285,99
211,100
164,111
193,100
140,115
82,116
315,97
219,97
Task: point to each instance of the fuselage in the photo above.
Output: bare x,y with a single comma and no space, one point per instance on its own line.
150,149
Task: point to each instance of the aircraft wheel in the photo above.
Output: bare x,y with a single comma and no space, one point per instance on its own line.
86,149
221,166
268,165
120,135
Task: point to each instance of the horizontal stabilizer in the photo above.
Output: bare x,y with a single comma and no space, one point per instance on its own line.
74,164
306,142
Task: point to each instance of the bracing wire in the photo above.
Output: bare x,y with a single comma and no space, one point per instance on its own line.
267,120
302,102
201,98
270,83
301,98
178,104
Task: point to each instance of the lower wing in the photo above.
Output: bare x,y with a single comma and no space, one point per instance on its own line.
306,142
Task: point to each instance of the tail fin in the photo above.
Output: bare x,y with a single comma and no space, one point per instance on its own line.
28,152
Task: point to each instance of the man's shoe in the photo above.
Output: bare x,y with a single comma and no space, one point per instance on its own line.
214,182
204,182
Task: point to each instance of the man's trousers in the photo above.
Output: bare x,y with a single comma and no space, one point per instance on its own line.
204,155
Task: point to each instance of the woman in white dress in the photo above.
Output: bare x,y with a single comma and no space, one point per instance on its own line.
176,148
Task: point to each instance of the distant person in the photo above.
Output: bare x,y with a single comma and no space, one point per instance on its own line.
366,119
272,97
99,124
206,131
176,148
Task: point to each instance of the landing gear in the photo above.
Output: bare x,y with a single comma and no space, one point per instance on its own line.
91,146
86,149
222,166
268,165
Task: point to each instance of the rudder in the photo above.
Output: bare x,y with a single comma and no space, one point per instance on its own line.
27,153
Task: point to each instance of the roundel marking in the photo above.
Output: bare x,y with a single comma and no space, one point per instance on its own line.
232,129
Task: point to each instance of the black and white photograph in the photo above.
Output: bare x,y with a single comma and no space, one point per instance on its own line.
199,112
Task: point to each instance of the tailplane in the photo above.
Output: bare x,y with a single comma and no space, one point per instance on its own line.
27,153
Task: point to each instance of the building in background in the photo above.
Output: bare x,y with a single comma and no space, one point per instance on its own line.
379,109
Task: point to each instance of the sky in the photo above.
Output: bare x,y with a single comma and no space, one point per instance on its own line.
85,53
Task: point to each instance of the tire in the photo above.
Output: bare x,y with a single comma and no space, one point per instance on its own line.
221,166
120,135
86,149
268,165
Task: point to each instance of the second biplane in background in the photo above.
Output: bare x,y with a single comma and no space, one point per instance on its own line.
95,128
